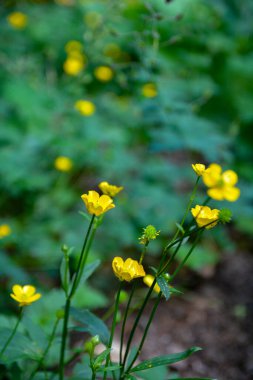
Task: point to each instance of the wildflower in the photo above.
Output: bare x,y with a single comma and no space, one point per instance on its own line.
149,90
199,169
97,204
103,73
127,270
25,295
149,233
221,184
73,46
5,230
204,216
108,189
73,65
63,164
17,20
85,107
148,280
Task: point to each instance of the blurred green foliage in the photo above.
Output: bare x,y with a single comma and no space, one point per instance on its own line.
198,53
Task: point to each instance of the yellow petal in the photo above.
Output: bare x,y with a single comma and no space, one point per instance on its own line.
15,297
212,175
28,290
34,298
231,194
230,177
17,290
216,193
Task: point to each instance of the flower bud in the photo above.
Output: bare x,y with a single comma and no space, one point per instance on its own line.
225,215
149,233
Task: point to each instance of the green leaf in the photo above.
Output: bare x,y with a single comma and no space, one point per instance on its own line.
86,216
89,269
18,348
64,273
181,229
91,323
101,357
164,360
110,368
165,289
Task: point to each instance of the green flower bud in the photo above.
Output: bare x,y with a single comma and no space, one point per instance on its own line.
95,340
225,215
65,248
149,233
123,297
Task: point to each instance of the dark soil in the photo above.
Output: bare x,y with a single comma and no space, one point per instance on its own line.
216,314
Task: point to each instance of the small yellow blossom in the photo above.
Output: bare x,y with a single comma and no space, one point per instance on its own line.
17,20
74,65
25,295
199,169
63,163
73,46
148,280
127,270
149,90
108,189
204,216
221,184
85,107
97,204
5,230
103,73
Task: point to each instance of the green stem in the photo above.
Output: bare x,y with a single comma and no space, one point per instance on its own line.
80,267
50,341
145,332
12,334
124,322
114,321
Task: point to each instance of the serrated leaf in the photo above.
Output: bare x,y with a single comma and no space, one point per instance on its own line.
165,289
164,360
91,323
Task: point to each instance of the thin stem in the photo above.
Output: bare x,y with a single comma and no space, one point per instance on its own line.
64,338
50,341
145,332
13,333
124,321
114,321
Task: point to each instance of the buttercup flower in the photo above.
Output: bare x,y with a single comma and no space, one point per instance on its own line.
149,90
17,20
63,164
148,280
85,107
199,169
103,73
74,65
221,185
25,295
108,189
97,204
204,216
5,230
127,270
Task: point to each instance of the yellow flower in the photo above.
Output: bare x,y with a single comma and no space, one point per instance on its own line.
25,295
17,19
221,184
103,73
199,169
85,107
97,204
5,230
127,270
74,64
149,90
148,280
204,216
63,164
73,46
108,189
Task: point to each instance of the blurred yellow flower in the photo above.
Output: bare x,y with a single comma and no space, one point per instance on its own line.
148,280
97,204
221,184
74,64
5,230
149,90
127,270
85,107
93,19
73,46
25,295
63,163
204,216
103,73
199,169
17,20
108,189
